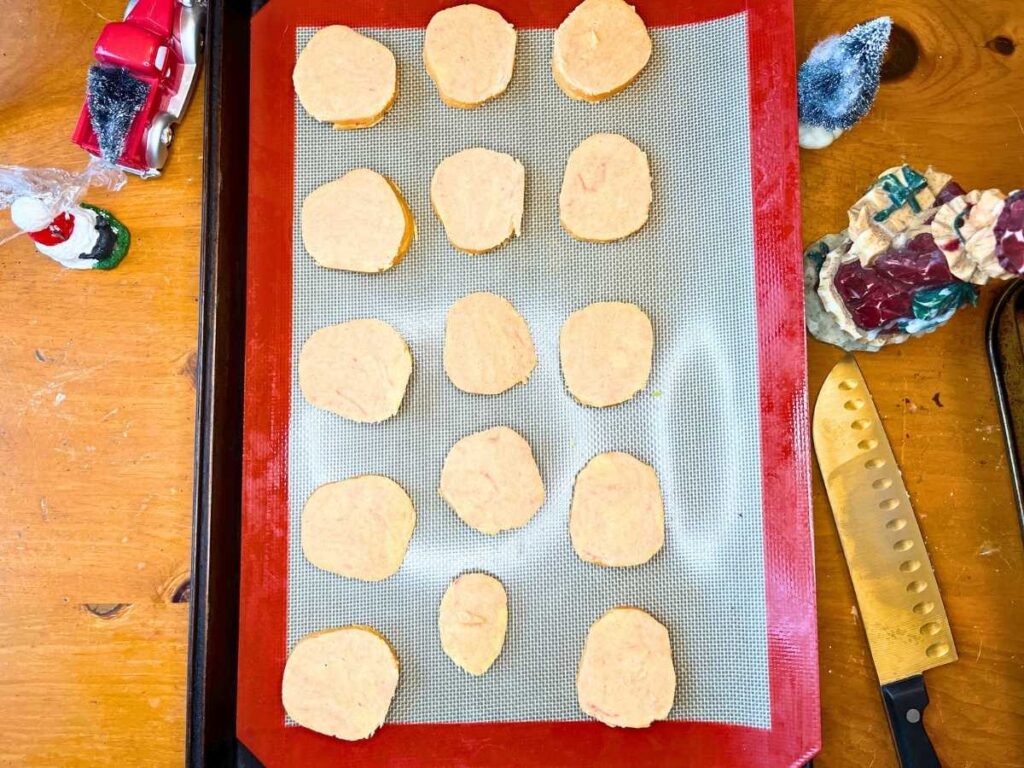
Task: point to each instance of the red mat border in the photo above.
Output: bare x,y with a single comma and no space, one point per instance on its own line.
795,734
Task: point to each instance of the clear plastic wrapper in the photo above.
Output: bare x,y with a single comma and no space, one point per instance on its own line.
57,189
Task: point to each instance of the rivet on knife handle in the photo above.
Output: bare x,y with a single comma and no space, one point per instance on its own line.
904,704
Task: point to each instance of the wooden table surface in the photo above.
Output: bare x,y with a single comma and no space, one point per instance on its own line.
96,415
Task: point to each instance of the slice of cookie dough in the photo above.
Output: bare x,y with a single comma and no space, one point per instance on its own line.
606,350
357,369
478,196
487,345
617,517
599,49
345,78
472,621
606,191
359,527
469,52
340,682
491,480
626,678
359,223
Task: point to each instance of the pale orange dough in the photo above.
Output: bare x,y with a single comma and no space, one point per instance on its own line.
469,52
472,621
491,480
606,350
340,682
626,678
345,78
359,223
617,517
478,196
359,527
606,191
599,49
487,345
357,369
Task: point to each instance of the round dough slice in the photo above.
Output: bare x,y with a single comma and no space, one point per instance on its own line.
606,351
357,369
359,223
599,49
345,78
340,682
617,516
359,527
469,52
606,192
626,678
472,621
491,480
487,345
478,195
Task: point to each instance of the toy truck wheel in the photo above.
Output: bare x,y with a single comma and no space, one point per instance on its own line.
158,139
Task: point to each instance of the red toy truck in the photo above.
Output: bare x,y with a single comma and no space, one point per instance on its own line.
158,43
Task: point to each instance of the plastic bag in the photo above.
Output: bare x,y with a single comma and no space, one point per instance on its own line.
58,189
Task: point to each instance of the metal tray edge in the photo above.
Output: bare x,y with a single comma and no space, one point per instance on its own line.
213,621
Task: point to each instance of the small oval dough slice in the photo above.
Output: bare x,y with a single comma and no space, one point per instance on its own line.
359,527
469,52
606,350
359,223
345,78
472,621
357,369
617,516
340,682
487,345
626,678
599,49
491,480
606,191
478,195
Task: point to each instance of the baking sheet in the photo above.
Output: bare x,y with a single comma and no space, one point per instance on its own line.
691,268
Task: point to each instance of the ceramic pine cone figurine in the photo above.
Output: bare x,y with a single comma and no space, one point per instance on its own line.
837,84
45,204
915,249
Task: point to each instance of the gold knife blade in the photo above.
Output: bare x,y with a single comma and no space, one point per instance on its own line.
897,593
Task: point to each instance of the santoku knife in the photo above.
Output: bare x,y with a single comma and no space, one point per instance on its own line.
898,596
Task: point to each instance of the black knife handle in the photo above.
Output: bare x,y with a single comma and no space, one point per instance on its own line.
905,701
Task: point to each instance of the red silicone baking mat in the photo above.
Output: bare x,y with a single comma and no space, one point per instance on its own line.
791,685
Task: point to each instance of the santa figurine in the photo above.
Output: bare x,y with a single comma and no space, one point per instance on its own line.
916,248
46,205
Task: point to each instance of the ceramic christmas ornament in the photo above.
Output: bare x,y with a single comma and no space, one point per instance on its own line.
915,248
46,205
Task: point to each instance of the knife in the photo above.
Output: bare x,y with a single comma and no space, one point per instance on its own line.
898,596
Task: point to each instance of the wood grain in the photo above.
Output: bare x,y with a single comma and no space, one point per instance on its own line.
96,418
96,433
959,109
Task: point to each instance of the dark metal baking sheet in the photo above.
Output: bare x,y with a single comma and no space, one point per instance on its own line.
213,633
213,626
1006,359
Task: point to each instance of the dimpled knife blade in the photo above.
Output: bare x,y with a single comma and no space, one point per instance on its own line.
897,593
